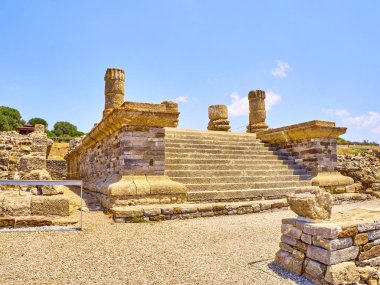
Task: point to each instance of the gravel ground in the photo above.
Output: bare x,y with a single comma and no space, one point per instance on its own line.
218,250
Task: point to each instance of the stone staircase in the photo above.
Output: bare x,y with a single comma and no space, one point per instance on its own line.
226,166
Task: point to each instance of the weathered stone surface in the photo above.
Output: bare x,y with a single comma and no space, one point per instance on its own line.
315,205
315,269
324,230
332,257
343,273
23,222
13,204
332,244
348,231
366,227
371,253
306,238
291,231
30,162
257,112
361,239
50,205
218,115
7,222
288,262
372,235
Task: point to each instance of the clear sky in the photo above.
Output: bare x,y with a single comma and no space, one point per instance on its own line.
315,59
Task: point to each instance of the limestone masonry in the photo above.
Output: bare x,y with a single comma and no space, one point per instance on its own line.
23,157
343,250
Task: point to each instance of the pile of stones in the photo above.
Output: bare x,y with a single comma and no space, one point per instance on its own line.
344,249
364,168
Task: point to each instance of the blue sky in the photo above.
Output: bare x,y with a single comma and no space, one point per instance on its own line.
315,59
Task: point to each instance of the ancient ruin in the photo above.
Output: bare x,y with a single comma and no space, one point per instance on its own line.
343,249
23,157
218,115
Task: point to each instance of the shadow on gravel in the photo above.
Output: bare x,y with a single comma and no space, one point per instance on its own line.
89,200
283,274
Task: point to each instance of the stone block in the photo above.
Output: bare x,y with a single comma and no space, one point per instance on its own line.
24,222
315,269
348,232
361,239
28,163
372,235
306,238
50,205
291,231
288,262
343,273
366,227
332,257
12,204
7,222
371,253
329,231
332,244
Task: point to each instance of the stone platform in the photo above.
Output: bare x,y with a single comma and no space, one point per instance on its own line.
143,213
342,250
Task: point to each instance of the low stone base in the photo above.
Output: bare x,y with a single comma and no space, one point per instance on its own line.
135,190
343,250
143,213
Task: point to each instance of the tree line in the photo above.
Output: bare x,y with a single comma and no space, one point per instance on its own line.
11,119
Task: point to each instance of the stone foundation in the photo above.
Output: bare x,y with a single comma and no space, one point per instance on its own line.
343,250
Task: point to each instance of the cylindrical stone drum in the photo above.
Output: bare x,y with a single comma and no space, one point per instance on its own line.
217,112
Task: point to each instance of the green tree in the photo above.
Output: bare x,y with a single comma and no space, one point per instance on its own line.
66,129
10,119
40,121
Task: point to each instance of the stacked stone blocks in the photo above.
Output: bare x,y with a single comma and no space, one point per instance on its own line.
331,253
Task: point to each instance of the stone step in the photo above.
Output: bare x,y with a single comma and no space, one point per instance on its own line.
215,146
237,173
248,185
206,133
179,155
195,136
251,151
261,166
220,161
214,142
243,194
242,179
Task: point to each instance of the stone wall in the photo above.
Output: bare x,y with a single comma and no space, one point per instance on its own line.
57,169
23,157
344,249
128,151
315,155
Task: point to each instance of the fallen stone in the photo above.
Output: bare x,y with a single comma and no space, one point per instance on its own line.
316,205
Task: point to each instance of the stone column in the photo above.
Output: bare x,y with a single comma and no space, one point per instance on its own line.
257,113
218,115
114,89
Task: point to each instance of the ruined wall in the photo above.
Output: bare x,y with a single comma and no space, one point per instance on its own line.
128,151
20,154
315,155
57,169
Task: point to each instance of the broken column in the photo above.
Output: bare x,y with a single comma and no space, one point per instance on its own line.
257,113
218,115
114,89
